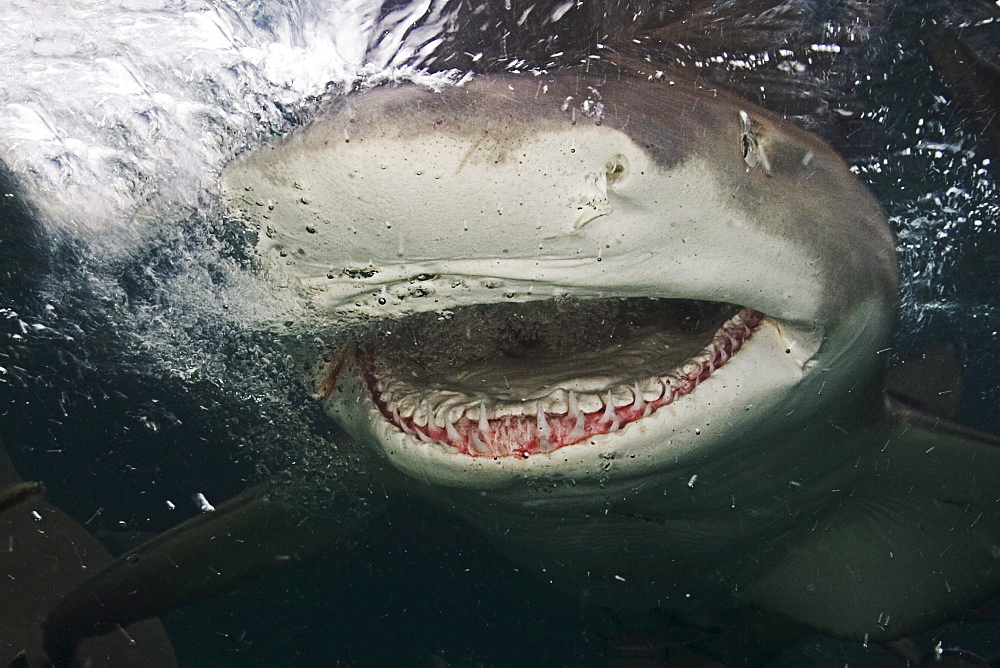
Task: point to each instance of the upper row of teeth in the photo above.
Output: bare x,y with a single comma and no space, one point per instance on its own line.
450,407
447,407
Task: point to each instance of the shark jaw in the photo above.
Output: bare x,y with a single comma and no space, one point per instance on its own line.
401,202
521,423
652,376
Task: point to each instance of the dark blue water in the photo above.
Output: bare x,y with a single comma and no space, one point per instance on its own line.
128,382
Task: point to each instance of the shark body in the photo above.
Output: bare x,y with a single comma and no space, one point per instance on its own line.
632,331
656,467
505,192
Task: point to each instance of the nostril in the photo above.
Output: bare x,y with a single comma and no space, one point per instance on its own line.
751,142
616,169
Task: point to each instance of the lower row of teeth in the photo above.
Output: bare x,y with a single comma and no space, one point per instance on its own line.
563,417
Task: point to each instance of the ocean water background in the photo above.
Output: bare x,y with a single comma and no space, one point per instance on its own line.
132,373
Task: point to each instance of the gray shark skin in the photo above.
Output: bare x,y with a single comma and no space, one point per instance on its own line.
745,455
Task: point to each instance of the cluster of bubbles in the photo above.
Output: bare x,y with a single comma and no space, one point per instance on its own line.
936,175
127,293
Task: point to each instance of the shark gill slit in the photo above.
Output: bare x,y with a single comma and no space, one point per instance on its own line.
543,432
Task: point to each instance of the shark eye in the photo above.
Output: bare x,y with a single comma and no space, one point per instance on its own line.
616,169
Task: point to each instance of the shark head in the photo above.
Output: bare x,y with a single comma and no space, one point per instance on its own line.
564,270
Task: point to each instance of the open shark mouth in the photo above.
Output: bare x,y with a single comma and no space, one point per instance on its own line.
518,380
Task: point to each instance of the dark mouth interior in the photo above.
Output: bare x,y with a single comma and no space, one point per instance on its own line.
522,379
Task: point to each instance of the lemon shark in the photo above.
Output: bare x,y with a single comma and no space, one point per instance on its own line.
633,330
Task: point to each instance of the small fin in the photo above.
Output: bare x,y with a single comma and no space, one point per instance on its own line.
245,537
915,542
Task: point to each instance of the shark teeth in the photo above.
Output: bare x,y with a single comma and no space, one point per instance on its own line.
484,421
479,427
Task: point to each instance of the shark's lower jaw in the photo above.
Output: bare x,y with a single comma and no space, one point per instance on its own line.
523,402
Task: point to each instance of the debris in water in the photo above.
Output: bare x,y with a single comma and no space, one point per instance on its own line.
202,503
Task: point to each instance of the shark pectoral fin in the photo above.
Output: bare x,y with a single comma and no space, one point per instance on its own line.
44,554
251,534
15,494
917,541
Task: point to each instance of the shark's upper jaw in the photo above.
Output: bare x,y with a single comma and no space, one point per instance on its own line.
533,395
